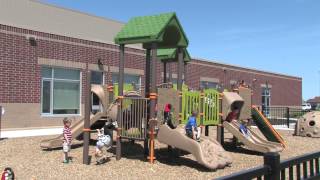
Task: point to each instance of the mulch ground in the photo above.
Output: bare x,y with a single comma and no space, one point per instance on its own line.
28,161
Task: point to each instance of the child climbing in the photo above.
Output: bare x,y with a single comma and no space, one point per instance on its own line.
67,138
192,130
168,116
103,141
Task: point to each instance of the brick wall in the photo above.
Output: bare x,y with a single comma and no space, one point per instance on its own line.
20,73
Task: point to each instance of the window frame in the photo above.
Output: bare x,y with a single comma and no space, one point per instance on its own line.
51,80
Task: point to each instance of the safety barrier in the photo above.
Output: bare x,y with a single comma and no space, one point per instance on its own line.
289,169
133,118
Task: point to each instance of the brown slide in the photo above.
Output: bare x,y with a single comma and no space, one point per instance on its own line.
77,128
207,152
254,142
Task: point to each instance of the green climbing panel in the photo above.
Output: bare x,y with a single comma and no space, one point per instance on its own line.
211,107
190,102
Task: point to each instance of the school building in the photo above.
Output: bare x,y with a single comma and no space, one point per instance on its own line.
45,51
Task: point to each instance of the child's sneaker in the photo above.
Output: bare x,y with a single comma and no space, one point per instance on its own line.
65,161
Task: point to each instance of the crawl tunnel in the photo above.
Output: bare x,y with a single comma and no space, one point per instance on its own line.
231,101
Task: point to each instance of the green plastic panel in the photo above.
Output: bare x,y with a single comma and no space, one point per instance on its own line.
190,102
211,107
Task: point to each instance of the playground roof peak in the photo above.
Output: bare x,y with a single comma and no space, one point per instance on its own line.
163,29
171,54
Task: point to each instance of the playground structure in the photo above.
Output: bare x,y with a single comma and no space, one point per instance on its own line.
107,114
233,100
308,125
141,117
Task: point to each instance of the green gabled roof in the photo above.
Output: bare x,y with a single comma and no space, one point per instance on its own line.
172,55
164,29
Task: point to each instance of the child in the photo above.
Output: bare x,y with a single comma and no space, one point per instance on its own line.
167,110
233,115
7,174
192,130
67,138
102,141
244,130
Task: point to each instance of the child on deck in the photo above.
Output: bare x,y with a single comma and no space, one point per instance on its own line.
192,130
67,138
166,113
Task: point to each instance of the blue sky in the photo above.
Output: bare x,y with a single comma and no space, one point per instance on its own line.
273,35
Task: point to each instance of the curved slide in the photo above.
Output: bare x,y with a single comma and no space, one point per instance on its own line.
77,128
208,153
255,142
265,127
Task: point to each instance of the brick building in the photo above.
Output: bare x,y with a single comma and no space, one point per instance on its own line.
45,50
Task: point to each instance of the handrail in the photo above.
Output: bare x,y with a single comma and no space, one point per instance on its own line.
248,174
298,160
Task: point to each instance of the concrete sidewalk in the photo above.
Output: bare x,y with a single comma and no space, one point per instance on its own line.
30,132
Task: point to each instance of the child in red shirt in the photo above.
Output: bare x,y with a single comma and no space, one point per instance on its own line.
233,115
67,138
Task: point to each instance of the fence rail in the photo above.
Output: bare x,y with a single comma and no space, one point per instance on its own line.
305,167
285,116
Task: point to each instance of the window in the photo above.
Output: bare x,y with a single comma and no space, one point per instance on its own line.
128,79
60,91
266,98
96,78
208,85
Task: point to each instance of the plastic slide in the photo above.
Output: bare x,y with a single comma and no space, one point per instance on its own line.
77,128
265,127
254,141
208,153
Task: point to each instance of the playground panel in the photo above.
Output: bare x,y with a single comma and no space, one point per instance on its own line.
245,93
168,96
211,107
190,102
133,118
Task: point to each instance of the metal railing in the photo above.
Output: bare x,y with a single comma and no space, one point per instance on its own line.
284,116
133,118
289,169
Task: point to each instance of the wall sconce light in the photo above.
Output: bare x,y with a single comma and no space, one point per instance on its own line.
32,41
99,62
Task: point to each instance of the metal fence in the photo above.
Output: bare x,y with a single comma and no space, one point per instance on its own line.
289,169
133,118
285,116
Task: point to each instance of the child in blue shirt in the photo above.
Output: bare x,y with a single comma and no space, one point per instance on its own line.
192,130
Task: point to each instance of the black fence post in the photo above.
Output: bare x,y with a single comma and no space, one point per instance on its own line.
288,117
272,160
